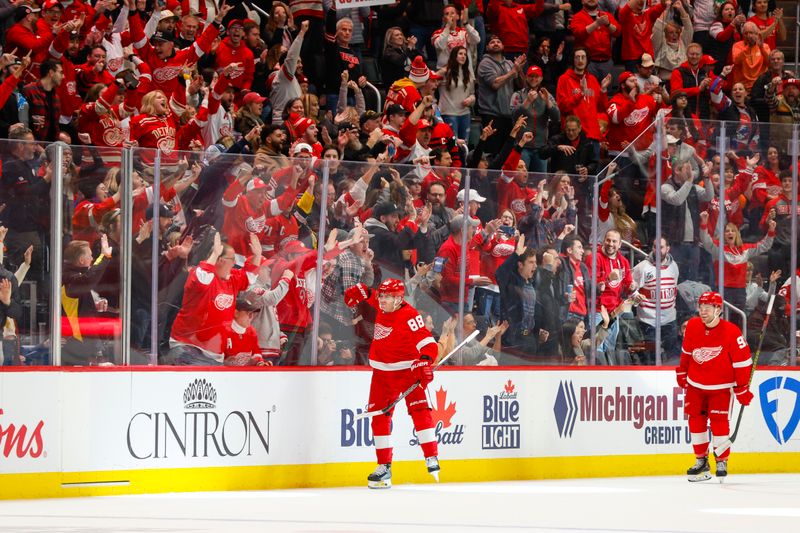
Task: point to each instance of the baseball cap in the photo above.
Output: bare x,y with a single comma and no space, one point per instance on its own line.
23,11
235,22
167,14
255,184
623,76
395,109
164,211
458,221
163,36
252,98
412,177
302,147
50,4
534,70
423,124
369,115
473,196
647,60
790,81
244,304
434,76
347,126
385,208
293,246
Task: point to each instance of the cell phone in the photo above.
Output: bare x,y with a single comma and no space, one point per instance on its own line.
508,230
438,264
569,289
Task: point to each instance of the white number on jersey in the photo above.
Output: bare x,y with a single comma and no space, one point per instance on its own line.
416,323
741,342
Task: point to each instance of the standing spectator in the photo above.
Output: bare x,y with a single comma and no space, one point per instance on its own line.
549,300
771,28
188,33
758,93
574,273
630,113
248,116
681,200
551,63
580,94
208,306
750,56
737,254
779,209
593,30
450,252
45,109
725,31
285,87
457,94
613,280
232,49
694,78
518,302
744,133
23,36
265,320
26,195
540,108
671,40
405,92
280,28
509,21
637,22
644,274
496,78
339,57
386,241
785,107
398,52
703,17
425,17
571,152
450,35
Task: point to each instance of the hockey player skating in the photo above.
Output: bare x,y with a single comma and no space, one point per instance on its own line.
714,359
402,353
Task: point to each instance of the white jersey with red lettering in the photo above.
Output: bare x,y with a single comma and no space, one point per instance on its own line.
715,358
400,338
784,292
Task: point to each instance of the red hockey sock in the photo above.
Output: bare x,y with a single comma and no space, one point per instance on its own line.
426,433
698,427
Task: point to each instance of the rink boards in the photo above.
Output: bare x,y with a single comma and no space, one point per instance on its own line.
85,432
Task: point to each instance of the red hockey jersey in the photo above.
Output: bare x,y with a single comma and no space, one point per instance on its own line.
241,346
208,306
242,77
714,358
400,338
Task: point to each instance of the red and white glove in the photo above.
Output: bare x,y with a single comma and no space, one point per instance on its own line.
356,294
422,370
743,395
680,376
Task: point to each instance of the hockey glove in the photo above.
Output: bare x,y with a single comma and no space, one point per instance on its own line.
423,371
743,395
356,294
681,378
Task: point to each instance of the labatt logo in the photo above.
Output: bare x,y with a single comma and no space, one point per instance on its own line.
501,428
18,441
442,415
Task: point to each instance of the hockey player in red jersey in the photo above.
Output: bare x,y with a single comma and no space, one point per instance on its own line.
402,352
715,358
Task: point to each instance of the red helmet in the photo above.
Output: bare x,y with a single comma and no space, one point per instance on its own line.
710,298
392,287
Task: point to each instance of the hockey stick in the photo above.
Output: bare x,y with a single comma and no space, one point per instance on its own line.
370,414
727,444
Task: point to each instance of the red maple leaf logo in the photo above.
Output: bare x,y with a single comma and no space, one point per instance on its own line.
439,413
509,387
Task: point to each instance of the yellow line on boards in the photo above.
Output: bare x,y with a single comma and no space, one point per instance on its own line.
116,482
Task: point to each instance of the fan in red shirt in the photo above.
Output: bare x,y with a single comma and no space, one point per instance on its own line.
509,20
402,352
630,113
637,29
241,340
233,50
715,358
579,93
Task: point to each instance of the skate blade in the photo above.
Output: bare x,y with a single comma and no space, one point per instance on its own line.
386,484
435,475
705,476
721,479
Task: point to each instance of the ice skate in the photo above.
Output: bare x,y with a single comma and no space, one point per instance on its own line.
700,471
381,478
433,467
722,470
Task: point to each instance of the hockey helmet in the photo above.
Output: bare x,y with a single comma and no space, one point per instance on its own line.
710,298
392,287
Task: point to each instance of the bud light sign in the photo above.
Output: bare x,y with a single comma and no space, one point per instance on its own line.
500,430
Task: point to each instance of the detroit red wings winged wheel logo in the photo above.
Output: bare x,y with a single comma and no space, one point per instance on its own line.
703,355
381,332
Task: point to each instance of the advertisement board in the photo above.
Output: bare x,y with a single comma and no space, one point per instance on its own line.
179,421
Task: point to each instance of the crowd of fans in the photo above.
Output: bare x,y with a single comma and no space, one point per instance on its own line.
243,110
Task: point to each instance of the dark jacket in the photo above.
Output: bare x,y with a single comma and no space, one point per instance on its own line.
584,155
26,195
513,292
389,245
14,308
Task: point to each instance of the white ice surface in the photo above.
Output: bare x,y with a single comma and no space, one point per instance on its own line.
744,503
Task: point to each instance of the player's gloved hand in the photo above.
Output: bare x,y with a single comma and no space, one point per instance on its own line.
422,370
743,394
681,378
356,294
